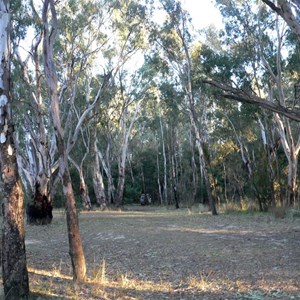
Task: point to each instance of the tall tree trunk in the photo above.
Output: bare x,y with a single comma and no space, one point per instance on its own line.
84,192
174,181
36,166
292,153
291,196
158,181
83,188
165,186
121,185
107,169
75,244
203,157
14,270
122,160
194,168
98,184
186,82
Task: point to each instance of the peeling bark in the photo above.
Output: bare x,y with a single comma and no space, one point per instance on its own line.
97,178
14,270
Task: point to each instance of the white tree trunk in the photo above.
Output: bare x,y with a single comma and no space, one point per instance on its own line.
98,184
126,132
165,186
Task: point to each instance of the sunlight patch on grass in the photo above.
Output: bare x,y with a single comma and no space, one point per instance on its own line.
52,284
55,273
229,231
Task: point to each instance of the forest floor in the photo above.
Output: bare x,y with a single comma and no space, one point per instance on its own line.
155,253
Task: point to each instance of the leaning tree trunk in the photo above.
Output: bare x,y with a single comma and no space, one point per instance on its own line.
75,244
201,145
14,270
204,160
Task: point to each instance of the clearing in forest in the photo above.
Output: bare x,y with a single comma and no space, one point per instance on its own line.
155,253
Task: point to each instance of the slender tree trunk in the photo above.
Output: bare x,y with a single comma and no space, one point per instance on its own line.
201,145
158,181
175,182
98,184
122,160
121,185
107,169
204,160
269,149
99,188
165,190
292,153
194,168
84,192
292,181
83,188
14,270
75,244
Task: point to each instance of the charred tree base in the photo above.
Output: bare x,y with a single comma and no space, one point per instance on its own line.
38,214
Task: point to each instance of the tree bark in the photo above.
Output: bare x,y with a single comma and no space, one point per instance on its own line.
122,160
14,270
204,159
84,192
165,186
98,184
75,244
83,188
107,169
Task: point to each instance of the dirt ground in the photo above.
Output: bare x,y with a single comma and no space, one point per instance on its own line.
155,253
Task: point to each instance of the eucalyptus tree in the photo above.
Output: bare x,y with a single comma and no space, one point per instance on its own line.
13,258
50,29
175,40
76,50
35,141
262,77
289,11
122,104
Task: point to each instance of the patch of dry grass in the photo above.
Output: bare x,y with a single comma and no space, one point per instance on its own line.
154,253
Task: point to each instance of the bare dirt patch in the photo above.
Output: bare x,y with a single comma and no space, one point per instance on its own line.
169,254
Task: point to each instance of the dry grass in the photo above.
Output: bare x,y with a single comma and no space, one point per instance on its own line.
154,253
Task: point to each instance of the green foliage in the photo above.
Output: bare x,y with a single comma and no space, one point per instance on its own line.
101,37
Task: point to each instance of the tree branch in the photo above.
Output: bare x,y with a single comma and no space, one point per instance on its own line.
230,92
285,11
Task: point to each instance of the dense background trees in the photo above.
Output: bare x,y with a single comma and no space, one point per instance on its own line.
142,108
